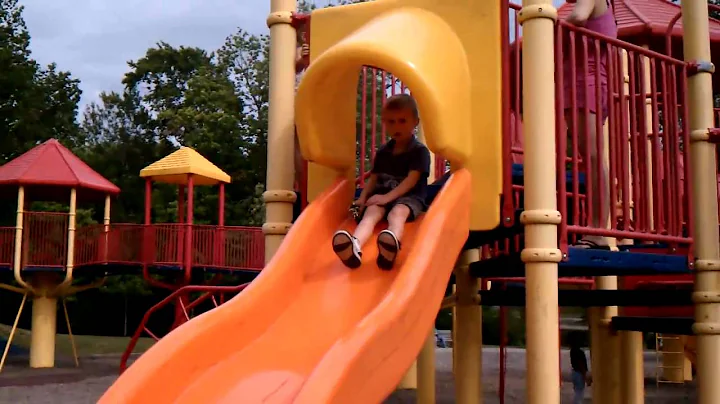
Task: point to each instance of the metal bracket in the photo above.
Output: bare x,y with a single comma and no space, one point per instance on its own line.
700,66
711,135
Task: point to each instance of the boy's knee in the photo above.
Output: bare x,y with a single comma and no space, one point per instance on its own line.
374,212
399,213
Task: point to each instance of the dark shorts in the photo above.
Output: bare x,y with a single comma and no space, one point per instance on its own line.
416,205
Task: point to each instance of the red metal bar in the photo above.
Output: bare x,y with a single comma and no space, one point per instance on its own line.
184,291
561,281
503,353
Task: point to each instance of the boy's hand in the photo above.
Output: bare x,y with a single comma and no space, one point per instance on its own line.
305,50
379,200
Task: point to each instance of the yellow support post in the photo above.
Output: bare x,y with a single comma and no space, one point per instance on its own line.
42,340
409,381
632,372
605,349
70,263
279,197
703,165
541,216
426,371
468,342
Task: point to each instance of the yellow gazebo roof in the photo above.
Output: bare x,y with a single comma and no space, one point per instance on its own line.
174,169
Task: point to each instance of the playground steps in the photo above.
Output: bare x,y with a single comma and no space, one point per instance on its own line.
667,359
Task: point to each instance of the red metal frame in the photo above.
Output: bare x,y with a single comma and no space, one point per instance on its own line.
180,298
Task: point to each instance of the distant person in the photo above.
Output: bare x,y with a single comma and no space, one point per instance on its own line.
396,189
598,16
580,375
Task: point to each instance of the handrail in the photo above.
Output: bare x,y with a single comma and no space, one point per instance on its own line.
178,294
671,27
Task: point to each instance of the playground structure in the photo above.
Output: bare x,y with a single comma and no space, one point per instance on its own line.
46,252
665,221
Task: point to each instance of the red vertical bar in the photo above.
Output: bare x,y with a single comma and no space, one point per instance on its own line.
373,111
624,144
667,162
220,240
642,136
603,182
572,128
508,210
689,219
561,136
612,131
658,169
383,98
677,196
363,127
189,229
588,169
503,350
637,192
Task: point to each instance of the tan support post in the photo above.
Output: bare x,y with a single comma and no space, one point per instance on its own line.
703,164
468,337
426,371
279,196
632,372
541,216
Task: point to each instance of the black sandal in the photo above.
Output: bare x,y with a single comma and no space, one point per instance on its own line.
347,249
388,247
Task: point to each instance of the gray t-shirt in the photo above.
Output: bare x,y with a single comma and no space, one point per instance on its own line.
391,169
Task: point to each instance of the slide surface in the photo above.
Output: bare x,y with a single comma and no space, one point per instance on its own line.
309,330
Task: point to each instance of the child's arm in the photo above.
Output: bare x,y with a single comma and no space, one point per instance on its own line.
404,187
367,189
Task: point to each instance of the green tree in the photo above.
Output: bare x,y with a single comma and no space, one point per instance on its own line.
36,104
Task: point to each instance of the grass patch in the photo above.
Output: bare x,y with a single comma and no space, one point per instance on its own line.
86,344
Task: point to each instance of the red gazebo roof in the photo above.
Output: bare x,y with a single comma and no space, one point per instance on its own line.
647,17
51,164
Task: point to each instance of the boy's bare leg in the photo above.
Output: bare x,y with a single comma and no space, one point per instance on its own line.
389,240
373,215
396,220
349,247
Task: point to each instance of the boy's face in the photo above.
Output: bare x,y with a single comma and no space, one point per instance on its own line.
400,123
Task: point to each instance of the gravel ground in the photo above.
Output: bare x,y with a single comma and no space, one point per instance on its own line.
86,385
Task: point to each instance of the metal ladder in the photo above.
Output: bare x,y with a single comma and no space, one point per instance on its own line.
660,354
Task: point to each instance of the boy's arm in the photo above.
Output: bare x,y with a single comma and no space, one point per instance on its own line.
405,186
368,188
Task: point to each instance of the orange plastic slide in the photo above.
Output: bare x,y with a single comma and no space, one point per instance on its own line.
308,330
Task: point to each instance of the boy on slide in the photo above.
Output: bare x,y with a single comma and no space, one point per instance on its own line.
396,189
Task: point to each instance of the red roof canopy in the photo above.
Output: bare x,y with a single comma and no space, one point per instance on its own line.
51,164
647,17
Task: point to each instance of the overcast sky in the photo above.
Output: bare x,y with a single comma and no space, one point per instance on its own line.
94,39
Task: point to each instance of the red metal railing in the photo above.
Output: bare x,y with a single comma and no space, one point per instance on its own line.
45,239
216,295
228,247
645,193
7,244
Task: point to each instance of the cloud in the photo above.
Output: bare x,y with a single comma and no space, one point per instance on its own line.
94,39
